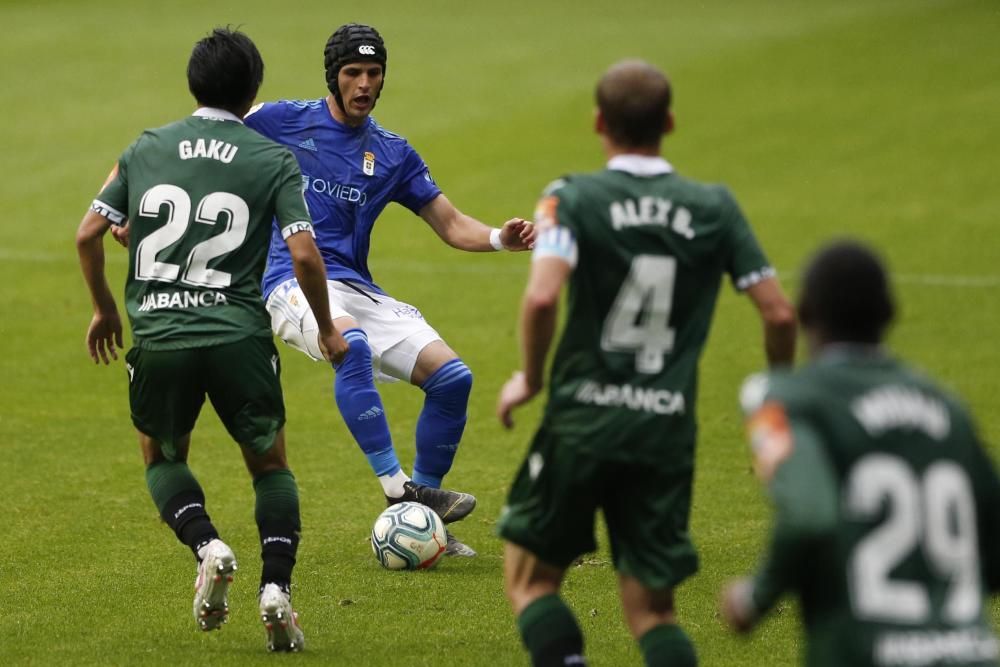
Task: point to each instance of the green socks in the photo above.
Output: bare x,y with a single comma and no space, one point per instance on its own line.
550,633
277,514
181,503
667,645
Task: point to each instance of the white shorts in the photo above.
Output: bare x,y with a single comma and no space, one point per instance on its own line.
396,331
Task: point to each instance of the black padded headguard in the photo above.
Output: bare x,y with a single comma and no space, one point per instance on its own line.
352,43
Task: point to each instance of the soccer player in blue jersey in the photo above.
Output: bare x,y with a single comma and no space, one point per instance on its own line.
352,169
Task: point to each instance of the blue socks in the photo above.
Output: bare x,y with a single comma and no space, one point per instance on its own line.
361,406
441,422
439,427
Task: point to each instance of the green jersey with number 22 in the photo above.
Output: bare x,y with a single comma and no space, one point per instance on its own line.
200,195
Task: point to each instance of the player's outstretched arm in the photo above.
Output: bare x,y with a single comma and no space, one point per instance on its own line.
311,274
780,324
800,478
105,330
466,233
539,313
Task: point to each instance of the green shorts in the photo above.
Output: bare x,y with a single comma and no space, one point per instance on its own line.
553,503
242,380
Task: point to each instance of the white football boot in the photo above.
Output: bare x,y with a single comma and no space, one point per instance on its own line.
215,573
280,620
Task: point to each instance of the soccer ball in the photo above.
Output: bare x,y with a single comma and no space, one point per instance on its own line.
408,536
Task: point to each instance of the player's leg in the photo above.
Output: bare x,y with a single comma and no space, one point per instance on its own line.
651,620
361,407
547,523
646,510
547,626
276,511
426,361
446,382
176,493
279,526
245,389
400,336
354,389
166,393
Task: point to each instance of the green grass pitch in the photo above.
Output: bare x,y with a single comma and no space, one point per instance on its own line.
871,118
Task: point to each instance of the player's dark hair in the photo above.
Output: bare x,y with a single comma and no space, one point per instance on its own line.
352,43
634,98
225,70
846,295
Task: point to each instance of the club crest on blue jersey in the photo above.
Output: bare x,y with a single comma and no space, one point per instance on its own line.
369,163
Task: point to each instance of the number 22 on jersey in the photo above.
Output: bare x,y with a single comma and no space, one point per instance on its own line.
210,210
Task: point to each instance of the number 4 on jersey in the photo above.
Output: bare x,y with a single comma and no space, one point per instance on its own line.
639,320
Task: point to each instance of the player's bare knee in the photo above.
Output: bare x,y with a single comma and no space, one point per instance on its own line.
153,452
272,459
431,358
526,578
342,324
645,608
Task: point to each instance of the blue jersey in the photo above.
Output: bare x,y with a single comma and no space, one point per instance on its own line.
349,175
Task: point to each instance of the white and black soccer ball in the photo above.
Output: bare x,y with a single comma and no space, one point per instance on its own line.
408,536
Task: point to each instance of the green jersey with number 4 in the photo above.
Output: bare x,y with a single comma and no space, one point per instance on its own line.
887,515
651,250
200,196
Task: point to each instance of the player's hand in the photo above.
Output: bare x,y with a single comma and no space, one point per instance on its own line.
752,393
515,392
517,234
120,234
104,333
333,346
736,606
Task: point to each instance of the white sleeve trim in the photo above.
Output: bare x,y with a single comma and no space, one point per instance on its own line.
296,227
748,280
113,215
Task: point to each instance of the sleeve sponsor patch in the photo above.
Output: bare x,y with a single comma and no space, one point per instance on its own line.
545,211
770,439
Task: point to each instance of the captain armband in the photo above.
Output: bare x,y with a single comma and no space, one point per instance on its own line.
556,242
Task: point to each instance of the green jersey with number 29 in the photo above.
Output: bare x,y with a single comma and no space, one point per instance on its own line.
200,195
896,574
650,249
